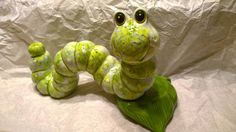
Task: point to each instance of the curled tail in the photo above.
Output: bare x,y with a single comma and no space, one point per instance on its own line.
60,79
40,66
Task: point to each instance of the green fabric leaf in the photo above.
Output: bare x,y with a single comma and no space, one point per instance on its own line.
155,108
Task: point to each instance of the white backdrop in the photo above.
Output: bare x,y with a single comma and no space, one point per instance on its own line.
198,51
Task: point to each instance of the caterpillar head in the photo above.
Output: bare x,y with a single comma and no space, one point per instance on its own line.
134,39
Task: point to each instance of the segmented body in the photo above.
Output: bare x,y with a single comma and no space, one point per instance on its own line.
134,43
60,79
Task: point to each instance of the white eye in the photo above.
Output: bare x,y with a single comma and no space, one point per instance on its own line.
140,16
119,18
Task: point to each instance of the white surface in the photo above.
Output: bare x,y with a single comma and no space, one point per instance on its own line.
198,51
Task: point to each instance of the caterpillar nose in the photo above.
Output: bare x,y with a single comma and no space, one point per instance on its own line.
130,21
130,25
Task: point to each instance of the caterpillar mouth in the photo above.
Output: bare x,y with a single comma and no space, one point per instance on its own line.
149,53
146,54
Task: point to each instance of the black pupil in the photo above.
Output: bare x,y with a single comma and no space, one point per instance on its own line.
140,15
120,18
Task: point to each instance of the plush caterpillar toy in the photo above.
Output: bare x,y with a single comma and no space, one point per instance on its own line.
134,41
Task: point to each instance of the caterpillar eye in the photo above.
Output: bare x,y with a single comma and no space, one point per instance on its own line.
140,16
119,18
